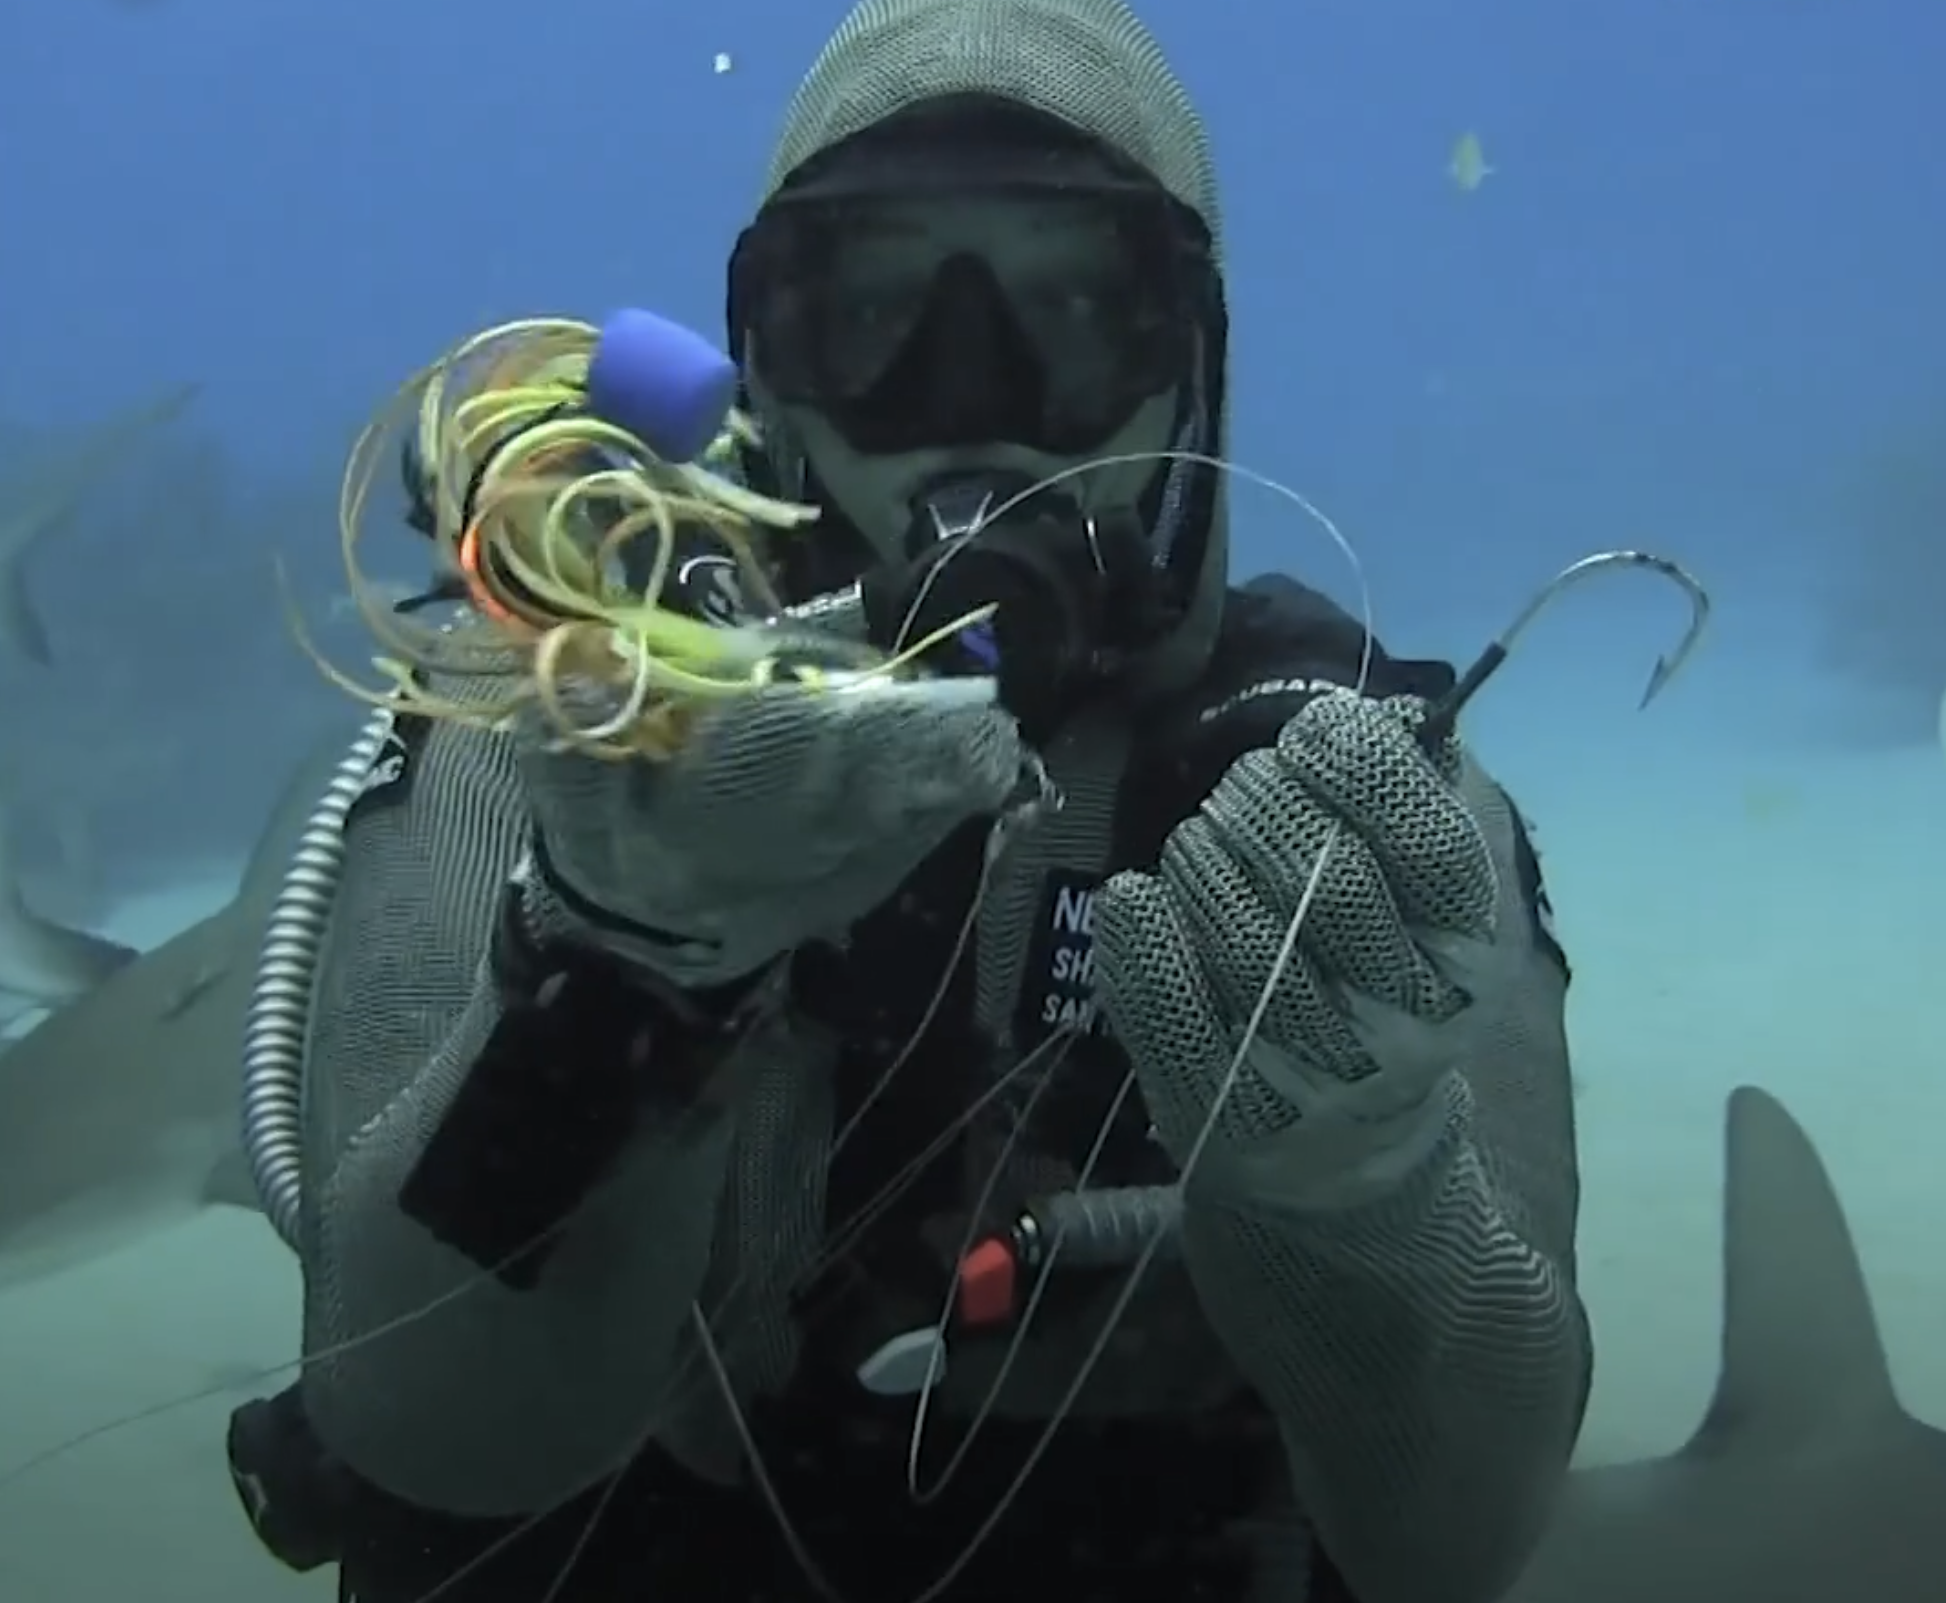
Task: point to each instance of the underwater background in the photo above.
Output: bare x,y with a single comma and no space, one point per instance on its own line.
1696,308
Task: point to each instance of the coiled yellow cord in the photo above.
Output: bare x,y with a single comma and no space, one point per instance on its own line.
538,536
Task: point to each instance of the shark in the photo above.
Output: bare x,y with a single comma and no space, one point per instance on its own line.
37,502
1807,1480
44,964
122,1110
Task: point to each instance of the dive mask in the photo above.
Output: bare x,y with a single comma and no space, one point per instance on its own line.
930,311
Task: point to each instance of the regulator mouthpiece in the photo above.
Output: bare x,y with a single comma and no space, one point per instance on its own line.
664,383
959,506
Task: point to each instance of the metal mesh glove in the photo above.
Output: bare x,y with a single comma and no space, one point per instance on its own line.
1398,936
787,816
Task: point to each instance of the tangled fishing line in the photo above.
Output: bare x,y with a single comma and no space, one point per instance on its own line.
506,515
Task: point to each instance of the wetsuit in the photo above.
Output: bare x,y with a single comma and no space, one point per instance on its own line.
478,1078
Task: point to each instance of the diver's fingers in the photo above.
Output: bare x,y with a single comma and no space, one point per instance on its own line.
1361,760
910,755
793,779
860,759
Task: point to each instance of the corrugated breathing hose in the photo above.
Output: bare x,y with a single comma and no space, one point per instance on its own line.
278,1019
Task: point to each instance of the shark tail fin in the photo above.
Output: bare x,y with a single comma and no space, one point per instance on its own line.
1801,1346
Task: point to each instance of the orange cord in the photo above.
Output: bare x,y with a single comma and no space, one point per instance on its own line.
477,588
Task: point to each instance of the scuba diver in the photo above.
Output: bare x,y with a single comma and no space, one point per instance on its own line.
598,1073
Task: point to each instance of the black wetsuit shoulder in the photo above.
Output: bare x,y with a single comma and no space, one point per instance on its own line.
1280,643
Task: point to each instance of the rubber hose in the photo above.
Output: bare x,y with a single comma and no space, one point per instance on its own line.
278,1019
1112,1225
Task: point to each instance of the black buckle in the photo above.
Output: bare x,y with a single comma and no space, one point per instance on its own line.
291,1488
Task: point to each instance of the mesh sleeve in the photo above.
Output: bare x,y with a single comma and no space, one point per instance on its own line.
1426,1355
431,1379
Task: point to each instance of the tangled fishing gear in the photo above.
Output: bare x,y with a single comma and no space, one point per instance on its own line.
549,454
547,559
1097,1226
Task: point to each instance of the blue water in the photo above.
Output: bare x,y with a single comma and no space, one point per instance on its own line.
1697,308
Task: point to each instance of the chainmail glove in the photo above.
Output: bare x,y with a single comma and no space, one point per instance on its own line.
786,817
1336,1091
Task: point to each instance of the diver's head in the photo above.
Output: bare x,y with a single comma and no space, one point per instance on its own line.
986,255
971,288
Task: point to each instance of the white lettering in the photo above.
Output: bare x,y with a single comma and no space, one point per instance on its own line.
1073,965
1267,687
1074,911
1068,1003
1069,1012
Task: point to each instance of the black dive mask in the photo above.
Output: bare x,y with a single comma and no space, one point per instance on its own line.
1073,594
970,270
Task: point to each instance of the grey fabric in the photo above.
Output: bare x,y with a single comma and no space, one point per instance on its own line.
786,816
454,1391
1084,764
1089,63
1170,1363
1381,1227
1093,65
1419,1341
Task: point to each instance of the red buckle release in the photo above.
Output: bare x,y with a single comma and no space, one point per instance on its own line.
988,1281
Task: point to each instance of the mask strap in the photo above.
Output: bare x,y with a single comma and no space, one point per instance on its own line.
1192,434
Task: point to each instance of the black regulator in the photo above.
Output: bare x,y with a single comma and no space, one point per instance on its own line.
1073,594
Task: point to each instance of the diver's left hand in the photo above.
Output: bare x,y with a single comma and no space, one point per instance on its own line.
1337,1088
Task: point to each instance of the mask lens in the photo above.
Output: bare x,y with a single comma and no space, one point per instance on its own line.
1066,278
1096,289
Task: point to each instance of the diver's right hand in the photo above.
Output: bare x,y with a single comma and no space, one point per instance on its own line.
786,817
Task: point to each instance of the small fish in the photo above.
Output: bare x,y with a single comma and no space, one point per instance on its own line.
1468,166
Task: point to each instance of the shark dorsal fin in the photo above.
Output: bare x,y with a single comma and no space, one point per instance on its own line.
1801,1348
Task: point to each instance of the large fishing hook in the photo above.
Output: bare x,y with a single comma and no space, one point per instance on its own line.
1444,713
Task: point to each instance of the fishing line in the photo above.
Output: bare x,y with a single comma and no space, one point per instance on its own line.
842,1238
700,668
1442,715
1445,712
1131,1282
711,1355
808,1565
1017,1341
524,478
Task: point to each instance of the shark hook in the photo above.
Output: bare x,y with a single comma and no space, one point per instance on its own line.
1444,713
